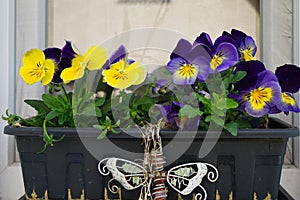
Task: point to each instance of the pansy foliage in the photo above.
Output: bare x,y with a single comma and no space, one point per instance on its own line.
230,86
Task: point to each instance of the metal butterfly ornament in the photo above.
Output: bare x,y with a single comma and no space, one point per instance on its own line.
150,175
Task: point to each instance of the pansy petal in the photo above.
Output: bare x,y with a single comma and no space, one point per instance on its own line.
170,114
288,77
31,74
250,43
63,64
33,57
225,57
224,38
203,67
118,80
274,110
205,39
53,53
265,77
74,72
121,75
247,49
119,54
287,103
95,57
186,74
251,67
174,64
239,36
69,50
262,96
254,112
119,66
160,86
229,52
196,52
49,71
138,69
182,48
259,101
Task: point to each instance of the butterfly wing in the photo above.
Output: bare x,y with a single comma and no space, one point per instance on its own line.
129,174
185,178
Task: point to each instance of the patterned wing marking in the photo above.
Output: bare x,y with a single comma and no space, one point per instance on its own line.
129,174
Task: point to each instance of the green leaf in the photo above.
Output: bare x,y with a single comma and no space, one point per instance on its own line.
48,138
102,135
99,102
205,101
218,112
232,127
52,102
114,131
207,118
243,123
88,110
189,111
62,100
38,105
230,103
239,75
61,119
98,112
51,115
226,82
217,120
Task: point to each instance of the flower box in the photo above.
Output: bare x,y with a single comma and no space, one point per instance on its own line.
249,164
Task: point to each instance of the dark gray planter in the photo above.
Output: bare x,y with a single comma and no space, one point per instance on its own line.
247,164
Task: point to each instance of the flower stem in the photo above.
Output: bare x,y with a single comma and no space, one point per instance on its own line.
86,74
63,91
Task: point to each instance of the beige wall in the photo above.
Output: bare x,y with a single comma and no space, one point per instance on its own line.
89,22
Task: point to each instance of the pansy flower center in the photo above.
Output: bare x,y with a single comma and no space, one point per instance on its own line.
216,61
287,99
42,67
36,72
247,53
259,97
187,70
120,75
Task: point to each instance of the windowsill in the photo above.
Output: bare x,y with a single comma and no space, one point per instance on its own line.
11,182
290,180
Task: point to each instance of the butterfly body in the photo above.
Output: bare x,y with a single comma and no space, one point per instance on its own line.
151,176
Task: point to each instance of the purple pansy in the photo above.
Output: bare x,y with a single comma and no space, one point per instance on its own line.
223,53
69,50
116,56
160,86
259,97
253,68
287,76
245,44
170,114
62,59
188,63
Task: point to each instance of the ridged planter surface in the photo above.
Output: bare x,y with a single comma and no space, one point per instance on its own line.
249,165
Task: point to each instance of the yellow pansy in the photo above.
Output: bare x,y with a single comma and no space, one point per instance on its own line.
93,59
35,67
121,75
